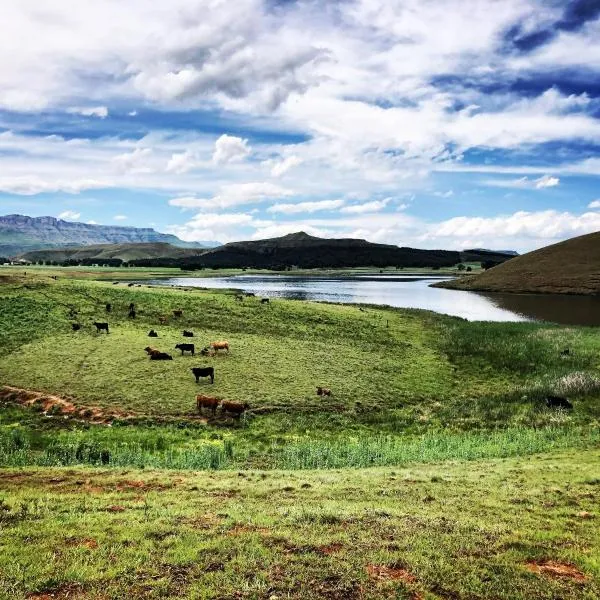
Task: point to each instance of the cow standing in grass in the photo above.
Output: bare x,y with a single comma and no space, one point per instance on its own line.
101,327
185,348
204,372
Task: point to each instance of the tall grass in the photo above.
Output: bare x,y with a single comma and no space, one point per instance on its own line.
368,451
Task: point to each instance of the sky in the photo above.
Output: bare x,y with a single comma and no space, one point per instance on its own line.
425,123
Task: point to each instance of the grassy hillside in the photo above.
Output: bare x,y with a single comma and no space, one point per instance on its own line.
100,252
570,267
434,471
503,529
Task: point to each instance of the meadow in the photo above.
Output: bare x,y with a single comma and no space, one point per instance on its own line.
435,470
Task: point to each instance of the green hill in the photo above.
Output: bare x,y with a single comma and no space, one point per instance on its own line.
569,267
103,252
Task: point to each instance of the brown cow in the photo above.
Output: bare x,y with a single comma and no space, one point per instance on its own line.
222,345
321,391
177,313
163,320
235,408
150,350
207,402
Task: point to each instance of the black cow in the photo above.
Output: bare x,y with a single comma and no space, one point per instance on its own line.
250,294
160,356
264,301
131,314
204,372
108,307
75,326
101,327
132,306
565,352
130,284
188,333
152,333
185,348
558,402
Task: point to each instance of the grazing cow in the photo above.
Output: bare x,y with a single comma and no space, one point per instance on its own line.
264,301
250,294
209,402
108,307
152,333
131,314
185,348
208,351
115,283
150,350
160,356
177,313
234,408
204,372
321,391
558,402
163,320
565,352
130,284
131,306
101,327
187,333
222,345
75,326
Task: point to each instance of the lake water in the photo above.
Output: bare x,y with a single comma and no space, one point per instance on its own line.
408,291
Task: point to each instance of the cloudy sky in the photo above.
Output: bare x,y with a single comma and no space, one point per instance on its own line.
429,123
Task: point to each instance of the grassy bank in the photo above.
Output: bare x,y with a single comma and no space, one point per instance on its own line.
513,529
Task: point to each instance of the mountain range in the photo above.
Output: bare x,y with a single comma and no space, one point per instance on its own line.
19,234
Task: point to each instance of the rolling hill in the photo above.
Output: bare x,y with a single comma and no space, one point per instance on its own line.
306,251
99,253
19,234
569,267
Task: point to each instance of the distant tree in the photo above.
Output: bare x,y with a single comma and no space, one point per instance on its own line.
469,269
461,267
488,264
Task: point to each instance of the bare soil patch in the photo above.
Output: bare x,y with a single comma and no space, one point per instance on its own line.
394,573
553,568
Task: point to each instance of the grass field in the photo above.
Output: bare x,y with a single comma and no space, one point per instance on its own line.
435,470
513,529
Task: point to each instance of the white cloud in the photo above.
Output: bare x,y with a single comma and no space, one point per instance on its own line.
133,162
230,149
546,181
92,222
367,207
30,185
89,111
594,204
305,207
182,162
120,217
69,215
233,195
281,167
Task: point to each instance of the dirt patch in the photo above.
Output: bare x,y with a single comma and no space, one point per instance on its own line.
115,508
390,573
330,548
50,404
241,529
75,542
553,568
63,592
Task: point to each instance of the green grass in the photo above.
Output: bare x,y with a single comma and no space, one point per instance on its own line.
451,530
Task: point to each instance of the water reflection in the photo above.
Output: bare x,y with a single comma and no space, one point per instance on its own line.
409,291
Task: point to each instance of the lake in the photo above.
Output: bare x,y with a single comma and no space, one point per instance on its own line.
408,291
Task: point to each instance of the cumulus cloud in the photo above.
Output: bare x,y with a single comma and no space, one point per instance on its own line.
525,183
69,215
89,111
281,167
233,195
182,162
367,207
230,149
133,162
306,207
594,204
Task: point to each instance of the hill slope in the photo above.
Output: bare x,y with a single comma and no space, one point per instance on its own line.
102,252
569,267
19,234
305,251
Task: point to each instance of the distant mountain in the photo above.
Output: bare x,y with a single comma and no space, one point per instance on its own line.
511,252
19,234
305,251
102,253
569,267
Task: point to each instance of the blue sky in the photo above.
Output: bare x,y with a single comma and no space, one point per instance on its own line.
428,123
